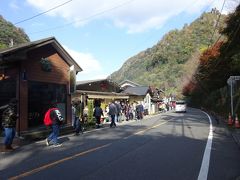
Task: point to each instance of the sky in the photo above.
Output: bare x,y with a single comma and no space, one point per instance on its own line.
101,35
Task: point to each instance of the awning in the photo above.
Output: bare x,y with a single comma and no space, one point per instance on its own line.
96,96
103,95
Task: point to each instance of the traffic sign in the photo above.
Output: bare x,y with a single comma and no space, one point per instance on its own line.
233,78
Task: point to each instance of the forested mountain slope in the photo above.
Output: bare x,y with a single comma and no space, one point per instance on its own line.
174,58
9,32
217,64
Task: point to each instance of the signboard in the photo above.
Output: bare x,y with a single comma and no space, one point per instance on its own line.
72,79
233,78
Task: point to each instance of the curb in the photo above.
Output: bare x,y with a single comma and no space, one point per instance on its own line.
235,133
236,137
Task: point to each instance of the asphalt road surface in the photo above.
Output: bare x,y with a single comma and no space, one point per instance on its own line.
168,146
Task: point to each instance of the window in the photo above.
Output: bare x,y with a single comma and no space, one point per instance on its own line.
40,97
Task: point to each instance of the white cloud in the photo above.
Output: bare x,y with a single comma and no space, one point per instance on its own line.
229,5
14,5
92,69
134,15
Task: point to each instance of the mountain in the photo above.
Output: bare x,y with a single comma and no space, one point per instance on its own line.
9,32
216,77
168,64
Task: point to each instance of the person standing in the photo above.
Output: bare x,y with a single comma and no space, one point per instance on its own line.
9,119
98,112
78,116
118,107
54,115
131,111
112,113
140,111
75,123
134,110
141,108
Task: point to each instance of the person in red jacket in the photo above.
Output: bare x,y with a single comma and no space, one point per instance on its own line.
56,118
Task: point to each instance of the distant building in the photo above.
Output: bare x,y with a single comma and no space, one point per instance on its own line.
100,91
140,94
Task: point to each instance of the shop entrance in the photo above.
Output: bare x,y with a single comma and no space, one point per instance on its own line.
40,97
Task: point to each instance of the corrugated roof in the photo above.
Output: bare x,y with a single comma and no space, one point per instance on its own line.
139,91
128,81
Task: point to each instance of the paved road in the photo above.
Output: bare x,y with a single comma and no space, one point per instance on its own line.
167,146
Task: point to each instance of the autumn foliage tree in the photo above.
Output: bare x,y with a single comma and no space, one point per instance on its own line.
216,65
200,80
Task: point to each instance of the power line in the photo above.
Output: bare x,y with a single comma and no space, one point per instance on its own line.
231,37
215,28
85,19
184,9
27,19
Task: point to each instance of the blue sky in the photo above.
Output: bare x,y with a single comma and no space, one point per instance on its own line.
102,34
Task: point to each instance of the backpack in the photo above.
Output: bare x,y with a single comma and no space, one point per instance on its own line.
47,119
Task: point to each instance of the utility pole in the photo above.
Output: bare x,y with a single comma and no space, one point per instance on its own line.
11,43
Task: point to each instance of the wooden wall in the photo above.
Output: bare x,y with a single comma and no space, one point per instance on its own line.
32,68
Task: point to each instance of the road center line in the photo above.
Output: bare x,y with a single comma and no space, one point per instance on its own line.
203,174
28,173
143,131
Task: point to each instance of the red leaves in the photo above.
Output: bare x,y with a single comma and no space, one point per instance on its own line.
210,54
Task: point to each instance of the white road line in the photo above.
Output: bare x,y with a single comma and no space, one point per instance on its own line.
203,174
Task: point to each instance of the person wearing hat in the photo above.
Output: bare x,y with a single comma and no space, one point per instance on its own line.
9,119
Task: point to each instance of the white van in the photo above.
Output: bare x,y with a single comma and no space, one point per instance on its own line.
181,106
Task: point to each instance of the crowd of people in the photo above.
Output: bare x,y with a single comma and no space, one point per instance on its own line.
119,111
115,111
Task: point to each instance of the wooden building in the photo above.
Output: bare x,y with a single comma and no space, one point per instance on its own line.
101,85
37,74
99,90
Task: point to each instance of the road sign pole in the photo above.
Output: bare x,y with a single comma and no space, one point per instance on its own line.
232,98
230,83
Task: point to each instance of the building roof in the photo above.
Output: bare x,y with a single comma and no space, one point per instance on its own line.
138,91
105,85
96,81
128,82
5,53
90,81
103,95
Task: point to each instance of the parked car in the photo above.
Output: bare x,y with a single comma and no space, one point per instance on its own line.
181,106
